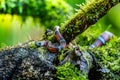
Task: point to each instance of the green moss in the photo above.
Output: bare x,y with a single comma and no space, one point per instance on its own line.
109,57
69,72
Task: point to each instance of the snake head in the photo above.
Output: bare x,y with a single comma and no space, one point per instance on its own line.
56,28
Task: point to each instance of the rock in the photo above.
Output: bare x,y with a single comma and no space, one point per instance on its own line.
25,63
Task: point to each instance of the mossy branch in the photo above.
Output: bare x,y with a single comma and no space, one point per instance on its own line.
88,14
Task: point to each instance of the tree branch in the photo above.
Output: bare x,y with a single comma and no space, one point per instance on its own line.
88,15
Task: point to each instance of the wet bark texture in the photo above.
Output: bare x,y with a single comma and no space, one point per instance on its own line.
25,63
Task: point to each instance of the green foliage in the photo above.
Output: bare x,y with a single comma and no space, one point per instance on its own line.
50,12
69,72
57,12
22,21
23,7
113,18
13,30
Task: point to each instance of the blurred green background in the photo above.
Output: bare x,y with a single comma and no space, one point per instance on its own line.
23,20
